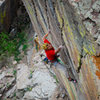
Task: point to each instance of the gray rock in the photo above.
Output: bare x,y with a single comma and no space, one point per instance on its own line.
96,6
2,75
11,92
98,40
22,76
20,94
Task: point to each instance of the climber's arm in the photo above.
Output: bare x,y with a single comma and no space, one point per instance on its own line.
57,51
59,48
44,37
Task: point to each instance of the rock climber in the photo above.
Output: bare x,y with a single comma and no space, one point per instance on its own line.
51,54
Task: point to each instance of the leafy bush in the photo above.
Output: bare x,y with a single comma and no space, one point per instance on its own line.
10,46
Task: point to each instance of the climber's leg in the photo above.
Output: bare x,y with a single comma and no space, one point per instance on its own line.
63,68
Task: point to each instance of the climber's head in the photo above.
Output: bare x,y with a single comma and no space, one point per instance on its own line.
47,46
44,46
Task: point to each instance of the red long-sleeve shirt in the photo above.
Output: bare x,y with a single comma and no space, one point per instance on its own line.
50,53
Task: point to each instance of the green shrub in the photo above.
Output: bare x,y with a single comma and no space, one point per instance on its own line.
10,47
7,46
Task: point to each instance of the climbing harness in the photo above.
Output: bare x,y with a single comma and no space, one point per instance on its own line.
47,61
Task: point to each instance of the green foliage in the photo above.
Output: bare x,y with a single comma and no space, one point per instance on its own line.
14,72
14,95
24,47
7,85
30,76
9,47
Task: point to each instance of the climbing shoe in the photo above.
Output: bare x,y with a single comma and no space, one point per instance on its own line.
70,79
73,80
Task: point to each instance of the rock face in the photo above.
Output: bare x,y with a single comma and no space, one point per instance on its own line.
7,81
8,10
36,81
76,25
22,76
30,83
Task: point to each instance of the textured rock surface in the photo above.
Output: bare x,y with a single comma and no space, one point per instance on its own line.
76,25
8,10
31,82
7,81
37,81
22,76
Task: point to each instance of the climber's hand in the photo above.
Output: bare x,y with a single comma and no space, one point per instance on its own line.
49,31
60,47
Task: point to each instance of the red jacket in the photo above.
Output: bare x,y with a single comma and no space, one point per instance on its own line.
50,53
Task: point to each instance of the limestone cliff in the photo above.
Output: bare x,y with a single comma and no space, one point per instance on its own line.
76,25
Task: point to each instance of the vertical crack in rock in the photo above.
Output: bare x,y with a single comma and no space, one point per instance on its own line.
65,50
34,5
51,5
80,62
41,12
81,56
46,9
